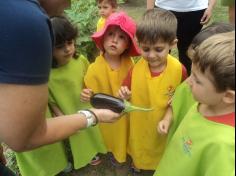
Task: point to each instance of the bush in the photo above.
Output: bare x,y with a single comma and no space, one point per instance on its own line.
84,14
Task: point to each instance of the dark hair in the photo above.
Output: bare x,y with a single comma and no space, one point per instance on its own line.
157,24
214,28
63,31
112,2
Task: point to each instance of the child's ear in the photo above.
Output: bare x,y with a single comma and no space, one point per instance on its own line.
174,43
229,97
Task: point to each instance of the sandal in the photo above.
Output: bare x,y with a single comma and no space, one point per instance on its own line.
95,161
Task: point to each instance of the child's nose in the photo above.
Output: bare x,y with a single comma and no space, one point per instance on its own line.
115,38
67,47
151,54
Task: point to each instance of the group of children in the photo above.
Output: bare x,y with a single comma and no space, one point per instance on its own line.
196,112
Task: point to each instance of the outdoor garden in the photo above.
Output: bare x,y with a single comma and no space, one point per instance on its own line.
85,15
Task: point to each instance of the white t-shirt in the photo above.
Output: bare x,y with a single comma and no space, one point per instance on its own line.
182,5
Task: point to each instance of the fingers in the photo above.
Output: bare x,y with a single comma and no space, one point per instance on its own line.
85,95
106,115
162,128
206,17
124,92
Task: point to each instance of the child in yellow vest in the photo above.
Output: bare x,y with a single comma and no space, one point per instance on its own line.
106,8
151,83
117,44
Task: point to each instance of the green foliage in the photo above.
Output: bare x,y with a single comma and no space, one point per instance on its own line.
84,14
11,159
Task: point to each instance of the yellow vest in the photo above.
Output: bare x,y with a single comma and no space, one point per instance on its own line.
101,24
145,144
102,79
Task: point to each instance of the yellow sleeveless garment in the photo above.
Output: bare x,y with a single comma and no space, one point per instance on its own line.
102,79
100,24
145,144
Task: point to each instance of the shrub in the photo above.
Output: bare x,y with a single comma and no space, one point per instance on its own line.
84,14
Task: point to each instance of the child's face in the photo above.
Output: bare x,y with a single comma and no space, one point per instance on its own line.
202,87
115,41
63,53
156,54
105,9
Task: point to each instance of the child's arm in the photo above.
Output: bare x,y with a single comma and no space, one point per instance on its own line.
85,95
164,124
124,93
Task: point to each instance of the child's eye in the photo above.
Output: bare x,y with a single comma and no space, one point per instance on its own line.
146,49
60,46
110,33
70,42
159,49
122,37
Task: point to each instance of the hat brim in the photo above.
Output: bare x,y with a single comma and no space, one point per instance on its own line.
98,39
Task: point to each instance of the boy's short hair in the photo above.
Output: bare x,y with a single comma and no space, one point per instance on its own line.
112,2
217,55
157,25
214,28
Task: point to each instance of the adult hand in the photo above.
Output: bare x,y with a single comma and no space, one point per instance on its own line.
206,16
106,115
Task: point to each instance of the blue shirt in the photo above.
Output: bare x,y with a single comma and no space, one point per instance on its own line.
25,42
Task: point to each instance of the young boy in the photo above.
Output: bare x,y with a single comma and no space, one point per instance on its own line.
183,99
106,8
204,142
152,82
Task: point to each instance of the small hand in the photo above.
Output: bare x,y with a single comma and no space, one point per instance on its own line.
124,93
106,115
163,126
85,95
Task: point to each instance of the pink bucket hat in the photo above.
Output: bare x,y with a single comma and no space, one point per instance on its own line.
126,24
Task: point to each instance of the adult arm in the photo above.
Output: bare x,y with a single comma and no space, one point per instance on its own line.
22,115
208,12
150,4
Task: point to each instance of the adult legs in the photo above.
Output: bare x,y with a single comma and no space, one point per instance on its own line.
188,26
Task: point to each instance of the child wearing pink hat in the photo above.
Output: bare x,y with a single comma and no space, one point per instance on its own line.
117,44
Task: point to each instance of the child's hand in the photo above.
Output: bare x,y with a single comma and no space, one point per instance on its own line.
85,95
124,93
163,126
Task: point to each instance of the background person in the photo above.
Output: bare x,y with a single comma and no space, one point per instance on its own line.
191,16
